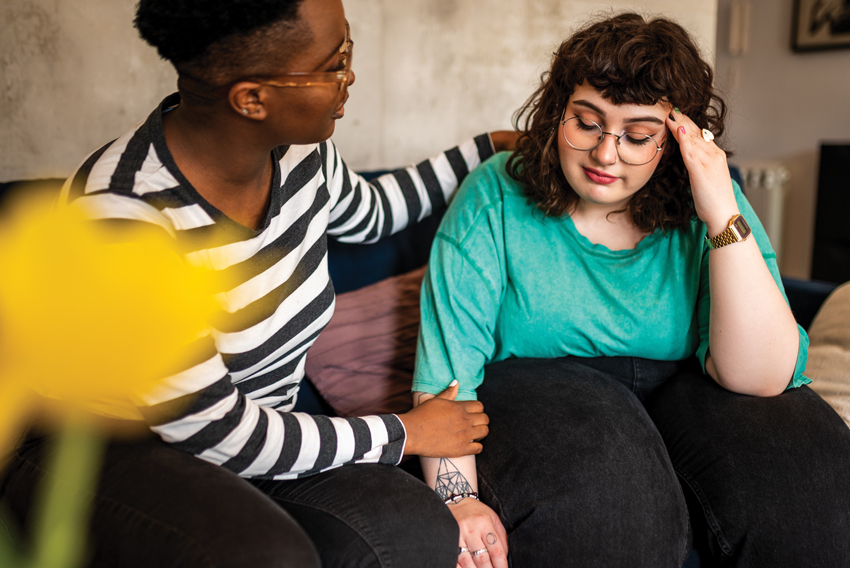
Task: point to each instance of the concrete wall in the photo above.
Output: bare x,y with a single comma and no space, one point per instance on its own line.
73,74
784,104
432,72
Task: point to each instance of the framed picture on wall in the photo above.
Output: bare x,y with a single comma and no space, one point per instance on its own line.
821,24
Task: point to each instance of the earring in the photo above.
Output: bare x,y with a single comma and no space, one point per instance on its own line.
245,111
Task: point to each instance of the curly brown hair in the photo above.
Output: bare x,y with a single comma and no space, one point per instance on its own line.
629,60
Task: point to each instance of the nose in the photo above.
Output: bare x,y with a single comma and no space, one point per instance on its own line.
606,152
350,77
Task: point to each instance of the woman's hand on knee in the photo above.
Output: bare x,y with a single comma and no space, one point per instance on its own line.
483,541
442,426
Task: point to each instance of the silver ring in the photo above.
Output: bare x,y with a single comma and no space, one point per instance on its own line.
707,135
461,550
477,552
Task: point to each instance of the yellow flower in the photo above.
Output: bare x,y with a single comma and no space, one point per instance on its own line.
90,314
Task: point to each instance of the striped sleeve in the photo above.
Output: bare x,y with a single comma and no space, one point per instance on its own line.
231,404
220,425
364,212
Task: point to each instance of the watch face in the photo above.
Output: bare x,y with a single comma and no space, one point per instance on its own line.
742,227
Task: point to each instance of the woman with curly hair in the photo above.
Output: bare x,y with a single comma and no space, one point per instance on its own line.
237,171
611,297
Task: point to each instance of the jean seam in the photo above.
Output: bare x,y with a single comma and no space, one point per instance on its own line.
635,374
496,501
132,510
710,519
688,541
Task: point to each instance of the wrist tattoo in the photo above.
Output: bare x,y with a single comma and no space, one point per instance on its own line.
450,481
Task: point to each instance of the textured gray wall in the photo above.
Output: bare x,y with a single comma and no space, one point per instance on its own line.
74,75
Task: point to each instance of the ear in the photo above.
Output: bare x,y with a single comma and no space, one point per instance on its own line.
247,98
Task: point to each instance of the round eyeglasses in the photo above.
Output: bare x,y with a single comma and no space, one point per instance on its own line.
634,148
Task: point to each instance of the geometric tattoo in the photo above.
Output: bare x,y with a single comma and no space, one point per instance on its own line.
450,481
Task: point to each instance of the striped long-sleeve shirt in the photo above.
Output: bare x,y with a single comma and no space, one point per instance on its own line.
233,405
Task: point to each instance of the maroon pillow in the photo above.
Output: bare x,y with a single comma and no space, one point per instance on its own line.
362,363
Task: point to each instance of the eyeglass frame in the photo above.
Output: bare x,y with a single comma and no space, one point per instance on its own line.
658,147
310,78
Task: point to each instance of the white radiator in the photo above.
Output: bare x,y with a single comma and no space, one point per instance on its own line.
765,184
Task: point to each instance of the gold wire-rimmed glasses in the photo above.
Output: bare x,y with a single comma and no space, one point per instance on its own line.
634,148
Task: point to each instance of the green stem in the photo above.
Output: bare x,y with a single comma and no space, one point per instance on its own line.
64,503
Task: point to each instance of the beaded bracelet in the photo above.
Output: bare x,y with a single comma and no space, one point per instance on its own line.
455,497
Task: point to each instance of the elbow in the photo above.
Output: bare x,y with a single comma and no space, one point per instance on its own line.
748,381
751,384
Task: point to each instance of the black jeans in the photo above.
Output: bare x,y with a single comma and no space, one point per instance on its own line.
157,506
586,461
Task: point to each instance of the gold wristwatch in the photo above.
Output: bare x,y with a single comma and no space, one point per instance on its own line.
738,230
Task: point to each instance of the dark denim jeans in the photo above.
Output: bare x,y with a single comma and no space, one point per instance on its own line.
156,507
587,459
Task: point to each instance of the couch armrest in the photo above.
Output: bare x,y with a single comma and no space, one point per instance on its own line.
806,297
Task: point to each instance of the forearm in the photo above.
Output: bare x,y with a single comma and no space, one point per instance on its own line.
447,475
450,476
753,336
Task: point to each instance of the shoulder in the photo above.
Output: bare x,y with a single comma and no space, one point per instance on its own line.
489,184
481,200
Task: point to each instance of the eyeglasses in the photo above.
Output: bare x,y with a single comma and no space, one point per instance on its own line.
634,148
310,79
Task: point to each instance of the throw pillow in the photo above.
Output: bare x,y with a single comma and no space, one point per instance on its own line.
362,363
829,351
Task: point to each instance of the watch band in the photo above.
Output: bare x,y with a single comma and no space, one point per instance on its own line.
738,230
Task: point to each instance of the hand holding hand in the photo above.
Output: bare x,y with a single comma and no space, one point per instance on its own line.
483,541
443,427
711,183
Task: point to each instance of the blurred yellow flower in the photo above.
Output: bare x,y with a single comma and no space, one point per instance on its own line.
88,313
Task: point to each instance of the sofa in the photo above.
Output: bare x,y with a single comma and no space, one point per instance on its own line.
363,362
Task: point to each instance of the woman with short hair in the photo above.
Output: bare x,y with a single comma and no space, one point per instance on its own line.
238,171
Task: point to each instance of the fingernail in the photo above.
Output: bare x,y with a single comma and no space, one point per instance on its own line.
671,117
676,110
682,129
453,383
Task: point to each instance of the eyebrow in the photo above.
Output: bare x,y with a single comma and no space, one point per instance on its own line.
599,111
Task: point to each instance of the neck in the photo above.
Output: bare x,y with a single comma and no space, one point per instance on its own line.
221,157
606,225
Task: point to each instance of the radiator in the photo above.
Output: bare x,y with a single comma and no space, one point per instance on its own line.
765,184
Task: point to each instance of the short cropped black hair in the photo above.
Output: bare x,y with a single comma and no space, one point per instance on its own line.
214,40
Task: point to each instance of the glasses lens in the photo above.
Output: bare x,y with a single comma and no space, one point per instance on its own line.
582,134
349,55
636,149
633,148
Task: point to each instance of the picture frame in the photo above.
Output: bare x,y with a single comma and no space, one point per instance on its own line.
820,24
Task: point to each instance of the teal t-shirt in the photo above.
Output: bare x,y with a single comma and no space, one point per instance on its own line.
504,280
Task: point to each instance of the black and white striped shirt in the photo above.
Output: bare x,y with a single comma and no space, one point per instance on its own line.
233,406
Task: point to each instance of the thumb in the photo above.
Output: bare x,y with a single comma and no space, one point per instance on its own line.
451,391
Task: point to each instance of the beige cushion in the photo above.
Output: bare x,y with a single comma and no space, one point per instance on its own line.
362,363
829,351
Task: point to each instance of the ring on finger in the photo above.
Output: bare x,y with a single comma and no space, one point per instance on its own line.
477,552
707,135
461,550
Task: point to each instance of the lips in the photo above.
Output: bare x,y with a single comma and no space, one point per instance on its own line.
598,176
340,112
